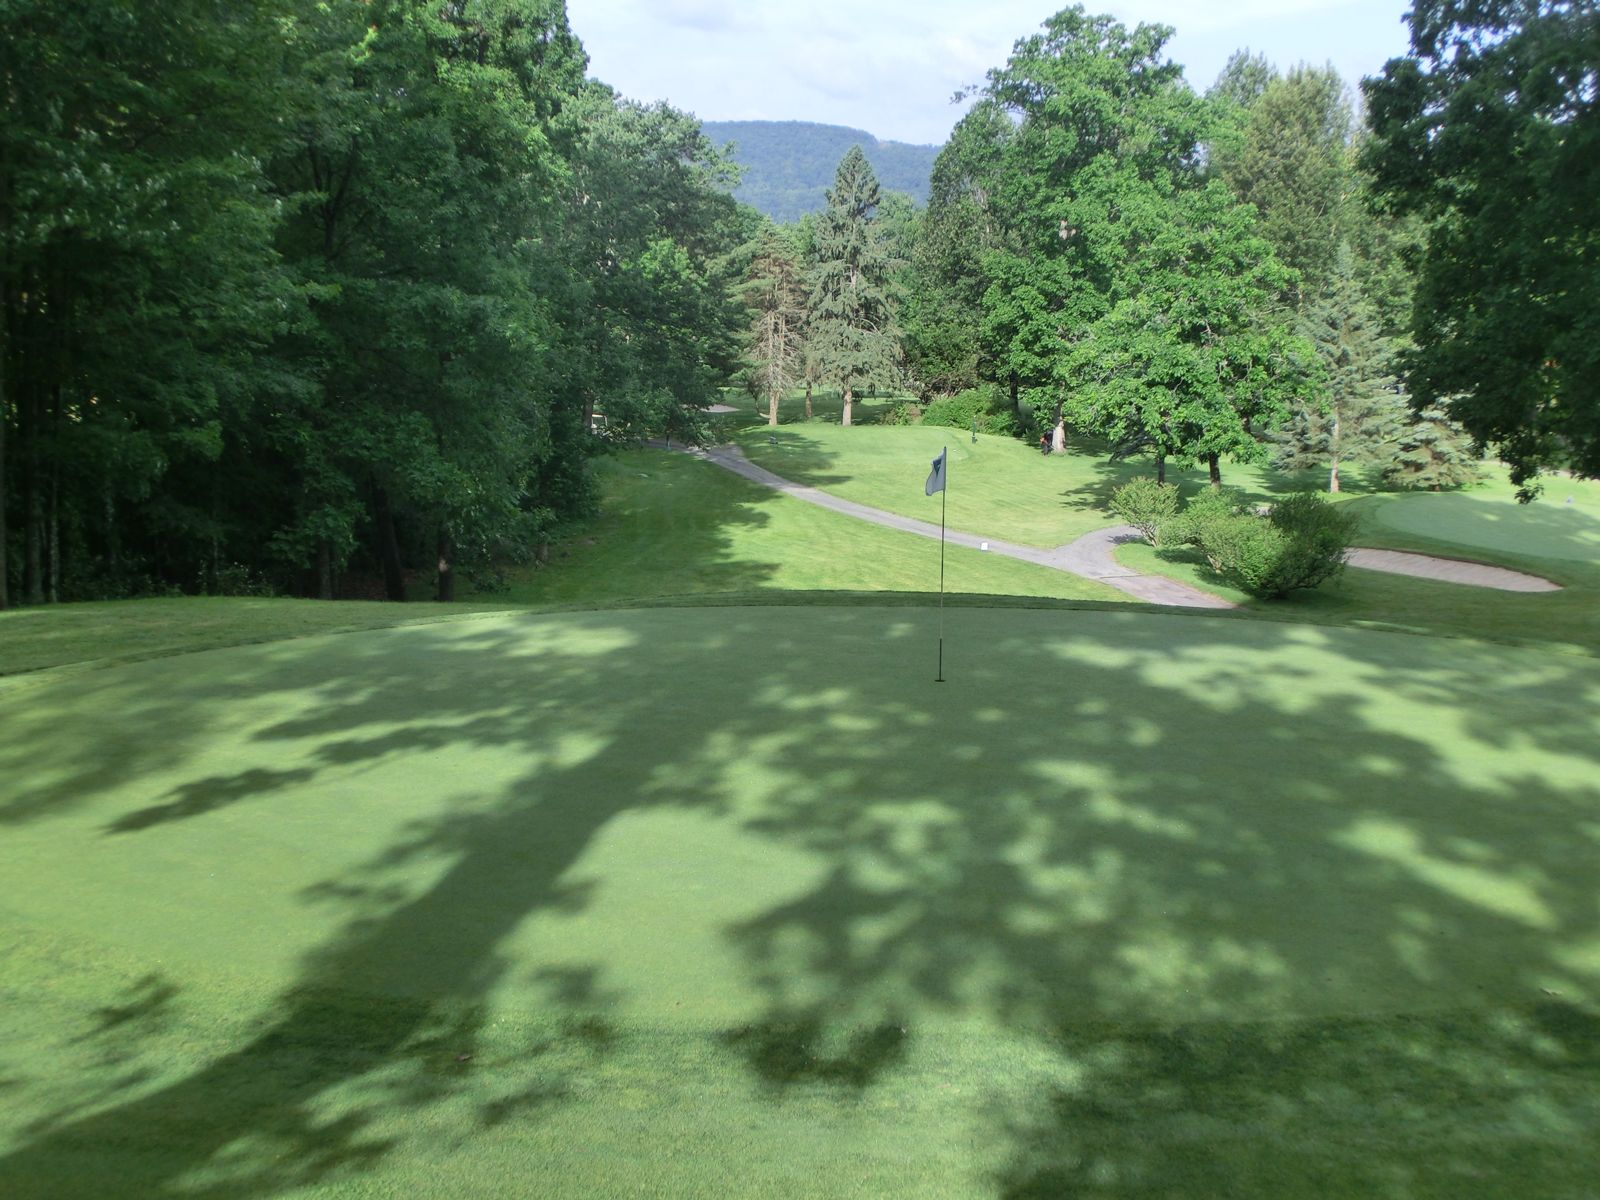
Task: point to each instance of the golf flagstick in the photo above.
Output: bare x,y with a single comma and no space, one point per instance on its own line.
936,482
943,496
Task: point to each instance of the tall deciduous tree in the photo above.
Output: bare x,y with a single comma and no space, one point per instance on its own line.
851,330
1490,129
1099,115
1199,361
944,313
1293,163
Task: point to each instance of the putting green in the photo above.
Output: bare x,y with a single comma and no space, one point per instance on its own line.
741,901
1546,528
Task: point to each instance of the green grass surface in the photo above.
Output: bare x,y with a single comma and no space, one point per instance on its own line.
1488,518
1568,620
673,525
998,485
689,902
71,635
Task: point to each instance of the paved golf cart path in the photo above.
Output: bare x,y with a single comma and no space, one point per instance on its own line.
1090,556
1093,556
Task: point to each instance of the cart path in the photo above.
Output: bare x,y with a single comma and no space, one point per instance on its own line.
1093,556
1090,556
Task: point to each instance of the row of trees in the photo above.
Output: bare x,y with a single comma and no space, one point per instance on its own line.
1247,273
297,289
289,287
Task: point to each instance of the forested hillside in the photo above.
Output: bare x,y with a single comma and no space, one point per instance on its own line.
789,165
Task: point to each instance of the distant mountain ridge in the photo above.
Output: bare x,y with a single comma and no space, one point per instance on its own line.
789,165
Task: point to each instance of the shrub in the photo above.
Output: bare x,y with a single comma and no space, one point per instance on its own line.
1244,549
907,412
1300,543
988,405
1210,505
1146,505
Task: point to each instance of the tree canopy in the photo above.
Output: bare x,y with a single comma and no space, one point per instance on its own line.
291,288
1490,131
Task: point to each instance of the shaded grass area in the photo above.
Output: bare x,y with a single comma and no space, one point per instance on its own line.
672,525
735,901
64,635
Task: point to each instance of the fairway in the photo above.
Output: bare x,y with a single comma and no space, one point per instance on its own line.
1547,528
738,901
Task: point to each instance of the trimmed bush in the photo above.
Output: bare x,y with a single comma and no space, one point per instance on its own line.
1299,543
1184,529
1146,505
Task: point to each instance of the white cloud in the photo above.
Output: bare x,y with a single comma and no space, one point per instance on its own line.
890,66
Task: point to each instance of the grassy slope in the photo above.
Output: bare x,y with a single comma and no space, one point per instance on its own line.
998,486
1548,538
1002,487
675,525
684,903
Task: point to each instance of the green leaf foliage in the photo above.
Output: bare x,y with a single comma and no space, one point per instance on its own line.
307,289
1300,543
1146,505
1489,130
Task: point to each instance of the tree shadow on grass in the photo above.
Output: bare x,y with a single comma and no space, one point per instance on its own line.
1449,1103
796,458
1061,844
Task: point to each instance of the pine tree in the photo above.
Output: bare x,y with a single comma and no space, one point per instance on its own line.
1432,452
774,292
1365,409
850,327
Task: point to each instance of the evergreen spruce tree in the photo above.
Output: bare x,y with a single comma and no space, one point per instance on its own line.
774,292
1432,452
1365,409
850,327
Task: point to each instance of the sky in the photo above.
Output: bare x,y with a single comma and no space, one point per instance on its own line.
890,67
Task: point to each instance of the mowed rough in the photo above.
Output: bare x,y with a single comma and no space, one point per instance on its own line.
740,901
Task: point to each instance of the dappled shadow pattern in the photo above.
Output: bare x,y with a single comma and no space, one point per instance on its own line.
1296,1109
784,1052
1059,845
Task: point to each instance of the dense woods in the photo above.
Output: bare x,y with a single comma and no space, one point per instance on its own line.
294,291
322,298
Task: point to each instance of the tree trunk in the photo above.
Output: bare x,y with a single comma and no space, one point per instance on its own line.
32,510
52,546
113,541
447,573
324,570
1333,446
394,579
5,560
808,400
1214,463
848,397
1161,468
772,408
1058,435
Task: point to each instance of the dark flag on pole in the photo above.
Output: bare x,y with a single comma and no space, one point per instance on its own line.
936,479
